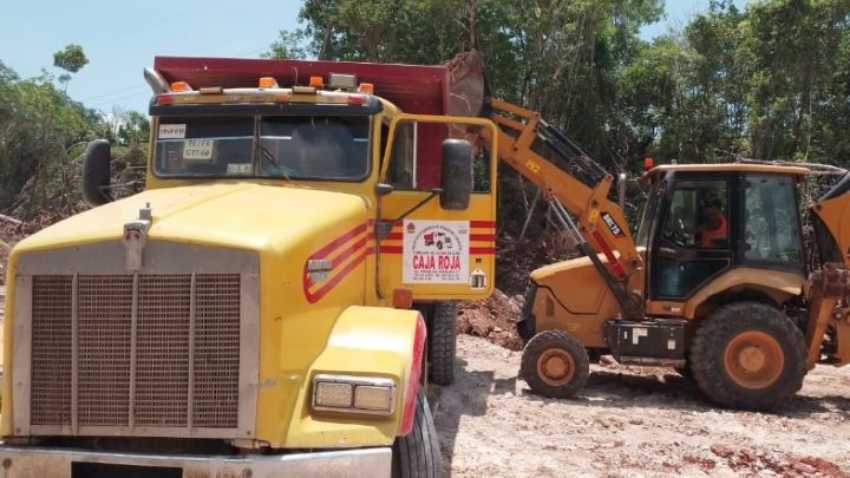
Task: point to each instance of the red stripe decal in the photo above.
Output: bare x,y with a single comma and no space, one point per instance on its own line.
394,236
347,253
482,237
391,249
482,224
474,224
316,296
487,251
321,253
613,263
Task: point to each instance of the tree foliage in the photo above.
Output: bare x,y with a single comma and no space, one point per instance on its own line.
71,59
770,81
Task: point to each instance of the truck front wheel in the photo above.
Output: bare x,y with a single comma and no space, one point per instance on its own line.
417,455
442,343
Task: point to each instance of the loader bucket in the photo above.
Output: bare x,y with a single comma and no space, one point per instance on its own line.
467,86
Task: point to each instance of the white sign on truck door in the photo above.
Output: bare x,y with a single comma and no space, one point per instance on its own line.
436,252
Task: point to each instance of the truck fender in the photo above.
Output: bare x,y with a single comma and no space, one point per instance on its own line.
379,341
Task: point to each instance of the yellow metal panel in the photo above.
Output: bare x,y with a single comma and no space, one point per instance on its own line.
363,341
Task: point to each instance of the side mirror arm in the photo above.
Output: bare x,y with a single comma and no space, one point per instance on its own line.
383,228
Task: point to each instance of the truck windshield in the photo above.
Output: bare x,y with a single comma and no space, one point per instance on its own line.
290,147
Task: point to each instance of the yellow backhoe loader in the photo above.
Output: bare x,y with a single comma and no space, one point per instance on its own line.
714,282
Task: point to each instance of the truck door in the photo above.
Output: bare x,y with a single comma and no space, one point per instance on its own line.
436,253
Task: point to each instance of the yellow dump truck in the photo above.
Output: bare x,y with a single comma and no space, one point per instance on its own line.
269,305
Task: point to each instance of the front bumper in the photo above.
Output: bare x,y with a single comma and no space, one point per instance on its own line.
34,462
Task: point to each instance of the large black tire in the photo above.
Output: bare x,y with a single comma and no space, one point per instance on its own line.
417,455
555,364
442,343
748,355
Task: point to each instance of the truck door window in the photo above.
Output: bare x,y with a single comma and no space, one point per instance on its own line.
771,220
402,169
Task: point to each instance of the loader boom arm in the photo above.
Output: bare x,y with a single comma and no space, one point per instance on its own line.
569,177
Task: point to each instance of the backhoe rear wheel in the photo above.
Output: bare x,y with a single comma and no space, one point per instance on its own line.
748,355
555,364
442,343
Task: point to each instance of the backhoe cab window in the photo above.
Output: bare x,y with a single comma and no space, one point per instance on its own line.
290,147
698,217
772,228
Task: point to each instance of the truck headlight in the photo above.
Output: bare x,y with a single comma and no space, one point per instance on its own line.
351,394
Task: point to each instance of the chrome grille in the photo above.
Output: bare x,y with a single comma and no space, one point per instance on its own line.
104,317
51,350
153,351
216,357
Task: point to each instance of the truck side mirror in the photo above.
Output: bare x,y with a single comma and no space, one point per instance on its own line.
97,174
456,174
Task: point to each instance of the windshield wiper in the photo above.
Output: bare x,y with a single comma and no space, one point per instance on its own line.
267,155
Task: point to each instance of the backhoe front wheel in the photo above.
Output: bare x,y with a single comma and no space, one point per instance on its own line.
748,355
417,455
555,364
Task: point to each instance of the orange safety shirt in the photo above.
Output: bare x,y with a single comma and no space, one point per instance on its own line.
719,232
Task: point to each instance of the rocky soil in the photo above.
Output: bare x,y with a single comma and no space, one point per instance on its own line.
631,422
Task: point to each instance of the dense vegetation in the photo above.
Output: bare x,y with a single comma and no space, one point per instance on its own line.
42,130
770,82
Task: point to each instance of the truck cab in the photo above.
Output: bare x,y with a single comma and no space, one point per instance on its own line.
263,307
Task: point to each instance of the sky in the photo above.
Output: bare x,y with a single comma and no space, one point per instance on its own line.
120,38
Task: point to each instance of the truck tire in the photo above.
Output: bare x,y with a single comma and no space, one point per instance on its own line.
442,343
417,455
748,355
555,364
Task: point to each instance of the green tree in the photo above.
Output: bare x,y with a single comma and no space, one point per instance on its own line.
71,59
134,129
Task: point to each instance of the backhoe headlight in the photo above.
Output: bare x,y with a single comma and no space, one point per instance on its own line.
350,394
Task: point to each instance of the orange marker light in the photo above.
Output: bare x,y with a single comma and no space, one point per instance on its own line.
366,88
402,298
268,82
180,86
648,163
317,82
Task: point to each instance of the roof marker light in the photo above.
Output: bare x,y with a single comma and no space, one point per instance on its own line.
268,82
366,88
180,86
317,82
648,163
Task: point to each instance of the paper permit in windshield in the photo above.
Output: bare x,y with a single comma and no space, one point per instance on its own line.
198,149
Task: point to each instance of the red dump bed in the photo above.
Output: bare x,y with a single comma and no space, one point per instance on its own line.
413,88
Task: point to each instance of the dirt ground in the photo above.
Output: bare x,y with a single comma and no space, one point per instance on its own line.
631,422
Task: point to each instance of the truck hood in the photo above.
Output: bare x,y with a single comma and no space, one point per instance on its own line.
241,215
